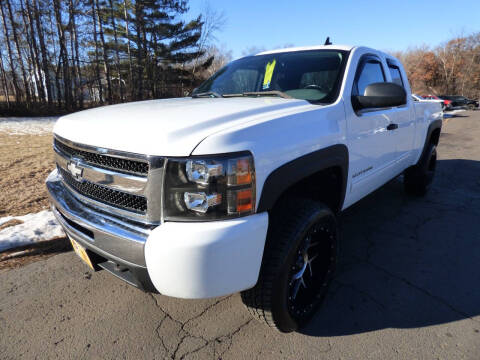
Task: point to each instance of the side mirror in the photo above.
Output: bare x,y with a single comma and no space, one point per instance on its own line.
380,95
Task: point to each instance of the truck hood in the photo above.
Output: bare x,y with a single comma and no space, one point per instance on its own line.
170,127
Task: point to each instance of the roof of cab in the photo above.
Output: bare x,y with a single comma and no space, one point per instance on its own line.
302,48
326,47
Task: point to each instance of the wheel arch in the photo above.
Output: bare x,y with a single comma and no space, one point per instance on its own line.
316,171
433,135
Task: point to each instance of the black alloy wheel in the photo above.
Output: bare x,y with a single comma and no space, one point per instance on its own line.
311,272
298,265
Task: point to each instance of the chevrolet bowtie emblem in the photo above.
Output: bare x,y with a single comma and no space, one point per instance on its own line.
75,169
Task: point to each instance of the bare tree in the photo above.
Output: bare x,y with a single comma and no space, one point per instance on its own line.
75,54
19,54
449,55
46,72
67,84
4,82
213,22
18,95
140,59
97,66
471,71
221,57
57,51
33,53
117,54
106,64
127,36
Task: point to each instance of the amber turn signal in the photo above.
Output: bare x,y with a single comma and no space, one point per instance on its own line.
241,201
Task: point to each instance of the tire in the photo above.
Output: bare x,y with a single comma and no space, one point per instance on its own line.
298,265
418,178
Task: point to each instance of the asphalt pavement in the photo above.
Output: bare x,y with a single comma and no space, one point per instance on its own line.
407,287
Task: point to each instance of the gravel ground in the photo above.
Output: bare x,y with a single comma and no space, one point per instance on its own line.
406,288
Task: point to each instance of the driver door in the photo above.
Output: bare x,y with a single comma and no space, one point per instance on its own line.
372,146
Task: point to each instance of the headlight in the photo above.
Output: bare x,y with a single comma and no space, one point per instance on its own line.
209,188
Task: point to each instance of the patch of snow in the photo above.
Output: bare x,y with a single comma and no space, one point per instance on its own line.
36,227
5,219
452,113
28,125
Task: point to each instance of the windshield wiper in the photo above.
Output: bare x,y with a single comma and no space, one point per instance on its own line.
213,94
208,94
268,93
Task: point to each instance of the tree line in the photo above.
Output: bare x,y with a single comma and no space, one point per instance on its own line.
65,55
452,68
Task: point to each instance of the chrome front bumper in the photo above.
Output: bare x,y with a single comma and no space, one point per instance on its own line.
118,245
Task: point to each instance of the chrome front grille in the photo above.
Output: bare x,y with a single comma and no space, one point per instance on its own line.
108,162
104,194
119,183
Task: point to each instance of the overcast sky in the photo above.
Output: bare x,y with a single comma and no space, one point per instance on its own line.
386,25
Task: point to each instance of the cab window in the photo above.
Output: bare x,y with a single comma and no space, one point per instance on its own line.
370,72
395,74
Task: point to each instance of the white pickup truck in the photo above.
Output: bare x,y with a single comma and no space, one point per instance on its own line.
238,187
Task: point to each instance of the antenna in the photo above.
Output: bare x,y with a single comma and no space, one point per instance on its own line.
328,42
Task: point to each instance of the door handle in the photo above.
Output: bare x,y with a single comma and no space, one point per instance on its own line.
392,126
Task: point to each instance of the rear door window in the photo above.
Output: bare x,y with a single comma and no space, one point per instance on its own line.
396,75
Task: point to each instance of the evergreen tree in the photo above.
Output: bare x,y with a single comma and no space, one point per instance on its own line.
80,53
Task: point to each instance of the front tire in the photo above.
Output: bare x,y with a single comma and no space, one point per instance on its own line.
417,179
298,265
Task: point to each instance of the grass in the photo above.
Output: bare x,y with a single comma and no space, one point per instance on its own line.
25,162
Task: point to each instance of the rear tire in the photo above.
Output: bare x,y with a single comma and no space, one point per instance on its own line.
298,265
417,179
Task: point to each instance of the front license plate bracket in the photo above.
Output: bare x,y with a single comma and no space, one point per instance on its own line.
82,254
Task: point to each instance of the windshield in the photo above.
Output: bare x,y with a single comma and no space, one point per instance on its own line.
313,75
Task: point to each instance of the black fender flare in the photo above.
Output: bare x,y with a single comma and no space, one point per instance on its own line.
300,168
434,125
